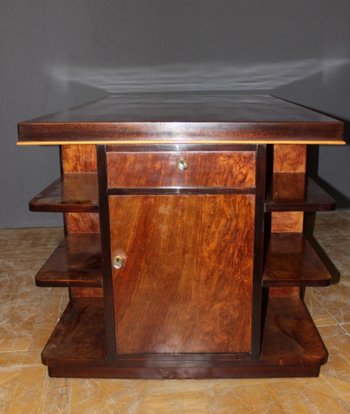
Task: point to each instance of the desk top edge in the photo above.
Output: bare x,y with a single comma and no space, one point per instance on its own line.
190,117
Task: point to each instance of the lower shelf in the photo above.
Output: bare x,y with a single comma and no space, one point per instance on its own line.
76,262
291,347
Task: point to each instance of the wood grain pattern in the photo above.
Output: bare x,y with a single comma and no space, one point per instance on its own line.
183,117
75,262
186,285
74,192
289,158
82,222
78,158
205,169
291,346
291,261
287,222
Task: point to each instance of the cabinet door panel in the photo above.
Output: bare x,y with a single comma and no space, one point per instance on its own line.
187,276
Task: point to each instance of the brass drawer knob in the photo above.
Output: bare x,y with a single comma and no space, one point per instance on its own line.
118,262
181,164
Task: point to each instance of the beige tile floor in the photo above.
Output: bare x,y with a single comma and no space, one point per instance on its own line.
28,314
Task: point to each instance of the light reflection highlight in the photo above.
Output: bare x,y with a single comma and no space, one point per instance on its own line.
201,76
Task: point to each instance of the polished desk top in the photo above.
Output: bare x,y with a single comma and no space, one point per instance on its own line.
186,117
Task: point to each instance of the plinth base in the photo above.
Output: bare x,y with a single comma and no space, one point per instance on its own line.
291,347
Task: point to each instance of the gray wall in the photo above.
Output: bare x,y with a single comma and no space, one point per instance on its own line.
58,54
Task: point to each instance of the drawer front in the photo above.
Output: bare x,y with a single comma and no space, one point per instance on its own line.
230,169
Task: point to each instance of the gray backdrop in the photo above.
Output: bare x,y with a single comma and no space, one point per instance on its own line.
57,54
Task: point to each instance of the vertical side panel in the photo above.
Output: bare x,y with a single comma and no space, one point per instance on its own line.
106,252
78,292
258,249
76,159
287,222
82,222
79,158
289,159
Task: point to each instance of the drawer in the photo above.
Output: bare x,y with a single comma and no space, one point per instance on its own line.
233,169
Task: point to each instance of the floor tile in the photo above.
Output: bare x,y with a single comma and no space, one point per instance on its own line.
326,224
337,248
335,299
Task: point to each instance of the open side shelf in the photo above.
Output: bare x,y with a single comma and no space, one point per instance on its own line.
75,262
73,192
294,192
292,261
291,346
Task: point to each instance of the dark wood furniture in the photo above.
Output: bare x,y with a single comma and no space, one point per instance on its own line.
184,254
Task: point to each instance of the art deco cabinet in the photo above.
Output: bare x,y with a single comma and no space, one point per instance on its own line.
184,250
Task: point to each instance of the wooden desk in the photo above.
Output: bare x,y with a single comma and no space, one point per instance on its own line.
184,253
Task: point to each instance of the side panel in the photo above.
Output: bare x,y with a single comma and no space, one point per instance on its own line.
80,159
289,159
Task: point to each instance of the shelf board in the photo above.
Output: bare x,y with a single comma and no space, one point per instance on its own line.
291,346
290,335
72,192
292,261
75,262
295,192
79,334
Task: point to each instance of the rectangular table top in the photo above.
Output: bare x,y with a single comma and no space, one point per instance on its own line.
183,117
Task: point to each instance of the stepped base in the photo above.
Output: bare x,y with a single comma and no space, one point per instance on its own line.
291,347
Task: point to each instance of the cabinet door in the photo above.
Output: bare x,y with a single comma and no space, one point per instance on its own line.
185,283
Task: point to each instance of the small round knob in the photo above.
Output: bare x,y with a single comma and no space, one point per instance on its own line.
118,262
182,164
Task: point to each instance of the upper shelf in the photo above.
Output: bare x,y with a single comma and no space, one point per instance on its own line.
183,117
295,192
73,192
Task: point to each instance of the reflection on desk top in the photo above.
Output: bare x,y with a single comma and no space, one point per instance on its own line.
187,117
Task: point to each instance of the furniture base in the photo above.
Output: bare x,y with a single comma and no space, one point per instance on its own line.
184,373
291,347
